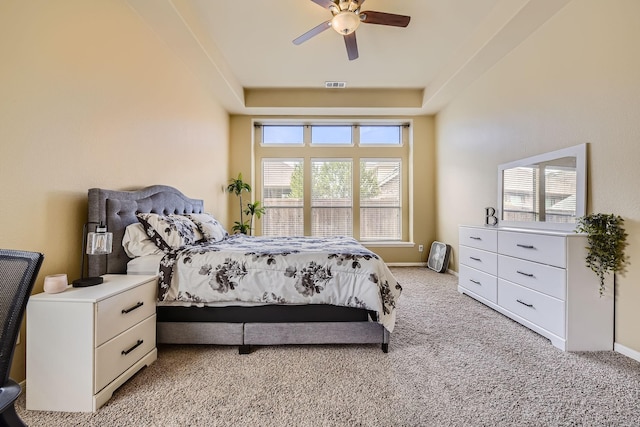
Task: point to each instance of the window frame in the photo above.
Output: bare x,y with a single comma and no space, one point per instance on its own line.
356,152
400,198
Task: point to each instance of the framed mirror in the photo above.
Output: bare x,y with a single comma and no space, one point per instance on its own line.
545,191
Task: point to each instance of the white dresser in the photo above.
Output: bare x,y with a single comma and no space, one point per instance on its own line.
539,279
84,343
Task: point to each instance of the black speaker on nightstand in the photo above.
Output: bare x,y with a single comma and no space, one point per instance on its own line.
439,257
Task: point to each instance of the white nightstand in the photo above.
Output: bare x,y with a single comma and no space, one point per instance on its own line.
84,343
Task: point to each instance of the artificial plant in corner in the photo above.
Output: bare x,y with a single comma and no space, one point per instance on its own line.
607,241
237,186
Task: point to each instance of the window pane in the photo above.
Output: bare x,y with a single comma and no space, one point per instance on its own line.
282,134
520,194
340,135
331,197
380,200
283,198
380,135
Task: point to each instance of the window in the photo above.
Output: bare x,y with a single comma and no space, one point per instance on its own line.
380,196
342,179
282,135
331,198
331,135
380,135
282,197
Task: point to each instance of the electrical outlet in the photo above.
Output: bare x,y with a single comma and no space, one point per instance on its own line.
420,248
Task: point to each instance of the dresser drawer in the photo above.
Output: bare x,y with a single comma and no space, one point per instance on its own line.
478,282
119,354
539,277
479,259
480,238
541,248
545,311
124,310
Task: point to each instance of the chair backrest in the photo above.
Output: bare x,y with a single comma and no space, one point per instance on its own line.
18,272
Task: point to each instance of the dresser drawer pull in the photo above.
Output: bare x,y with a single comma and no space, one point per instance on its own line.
524,274
524,303
475,281
475,259
475,238
520,245
136,345
129,310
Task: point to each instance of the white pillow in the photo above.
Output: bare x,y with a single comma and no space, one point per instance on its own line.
136,243
210,228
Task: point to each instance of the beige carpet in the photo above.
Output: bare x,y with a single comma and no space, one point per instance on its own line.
452,362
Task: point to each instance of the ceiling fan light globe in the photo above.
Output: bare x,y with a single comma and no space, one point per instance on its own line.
345,22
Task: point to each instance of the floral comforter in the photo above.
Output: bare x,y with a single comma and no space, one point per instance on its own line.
281,270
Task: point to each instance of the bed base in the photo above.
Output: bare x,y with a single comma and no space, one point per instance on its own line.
245,335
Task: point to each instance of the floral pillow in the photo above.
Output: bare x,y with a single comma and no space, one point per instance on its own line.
169,231
210,228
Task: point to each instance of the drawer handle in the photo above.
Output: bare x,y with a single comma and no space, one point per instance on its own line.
525,246
524,303
129,310
524,274
136,345
475,238
475,281
475,259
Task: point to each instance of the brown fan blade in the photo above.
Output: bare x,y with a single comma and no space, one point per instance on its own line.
382,18
352,46
324,3
312,32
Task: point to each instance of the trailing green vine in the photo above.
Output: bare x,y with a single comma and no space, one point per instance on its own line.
607,241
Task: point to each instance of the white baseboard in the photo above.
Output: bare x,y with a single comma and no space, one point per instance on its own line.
626,351
406,264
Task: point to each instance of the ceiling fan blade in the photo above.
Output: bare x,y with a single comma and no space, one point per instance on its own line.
324,3
312,32
382,18
352,46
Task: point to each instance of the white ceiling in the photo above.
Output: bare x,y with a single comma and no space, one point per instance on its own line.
239,48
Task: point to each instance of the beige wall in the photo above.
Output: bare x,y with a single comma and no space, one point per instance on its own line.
576,80
88,81
423,173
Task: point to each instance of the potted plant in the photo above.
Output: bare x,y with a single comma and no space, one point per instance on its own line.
607,241
237,186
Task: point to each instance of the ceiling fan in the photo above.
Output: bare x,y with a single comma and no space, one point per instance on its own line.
346,19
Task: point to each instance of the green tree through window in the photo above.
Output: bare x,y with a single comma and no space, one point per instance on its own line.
333,180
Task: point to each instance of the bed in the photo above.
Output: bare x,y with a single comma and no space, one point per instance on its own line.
186,316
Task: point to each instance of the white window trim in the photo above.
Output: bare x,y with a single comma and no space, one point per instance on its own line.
406,123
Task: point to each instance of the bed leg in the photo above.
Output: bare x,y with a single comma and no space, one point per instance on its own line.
244,349
386,337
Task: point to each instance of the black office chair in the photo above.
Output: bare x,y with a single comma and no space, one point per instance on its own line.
18,272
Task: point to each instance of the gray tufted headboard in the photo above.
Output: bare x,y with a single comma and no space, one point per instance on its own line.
118,209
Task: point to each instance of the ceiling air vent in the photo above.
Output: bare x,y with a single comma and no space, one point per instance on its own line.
335,85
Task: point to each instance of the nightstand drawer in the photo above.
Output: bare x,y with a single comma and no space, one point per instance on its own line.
479,259
117,355
121,311
542,310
